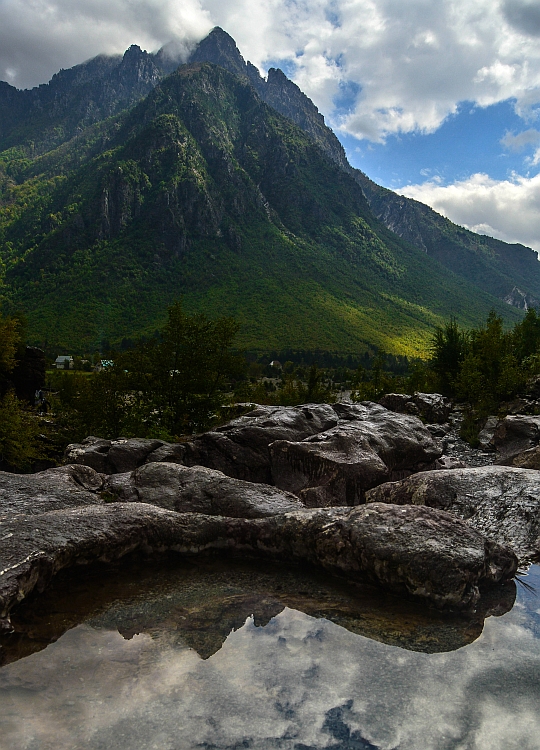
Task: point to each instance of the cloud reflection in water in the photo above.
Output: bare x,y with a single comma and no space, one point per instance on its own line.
297,683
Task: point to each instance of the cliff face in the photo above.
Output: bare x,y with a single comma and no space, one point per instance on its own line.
45,117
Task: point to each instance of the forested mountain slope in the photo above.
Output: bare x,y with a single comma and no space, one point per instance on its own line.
509,272
203,190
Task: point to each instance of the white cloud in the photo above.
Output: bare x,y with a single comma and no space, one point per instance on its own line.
276,686
38,37
506,209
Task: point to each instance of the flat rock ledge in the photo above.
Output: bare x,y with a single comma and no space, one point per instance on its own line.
410,550
500,502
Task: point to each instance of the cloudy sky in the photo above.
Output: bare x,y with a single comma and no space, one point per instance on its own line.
438,99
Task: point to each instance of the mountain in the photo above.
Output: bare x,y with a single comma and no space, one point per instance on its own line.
509,272
126,188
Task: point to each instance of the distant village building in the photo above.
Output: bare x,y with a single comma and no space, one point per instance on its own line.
277,364
61,360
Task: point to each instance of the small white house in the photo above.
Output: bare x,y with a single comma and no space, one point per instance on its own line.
61,360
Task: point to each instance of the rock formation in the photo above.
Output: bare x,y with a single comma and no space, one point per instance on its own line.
370,445
502,503
418,551
200,490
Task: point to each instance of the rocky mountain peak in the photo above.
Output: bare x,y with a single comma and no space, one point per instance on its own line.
220,48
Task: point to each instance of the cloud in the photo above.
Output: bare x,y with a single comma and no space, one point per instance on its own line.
521,140
506,209
296,682
409,64
38,37
523,15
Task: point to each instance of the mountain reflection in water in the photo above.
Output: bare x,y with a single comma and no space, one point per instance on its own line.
229,655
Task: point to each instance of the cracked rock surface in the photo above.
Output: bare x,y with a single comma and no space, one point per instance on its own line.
53,489
370,445
501,502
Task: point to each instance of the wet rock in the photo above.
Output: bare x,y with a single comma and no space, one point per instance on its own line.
55,489
502,503
111,456
336,467
420,551
431,407
200,490
514,435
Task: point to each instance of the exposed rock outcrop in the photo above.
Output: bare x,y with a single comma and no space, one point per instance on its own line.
515,435
55,489
238,448
369,446
200,490
432,407
502,503
419,551
111,456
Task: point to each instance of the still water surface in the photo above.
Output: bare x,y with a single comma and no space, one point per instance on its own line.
176,656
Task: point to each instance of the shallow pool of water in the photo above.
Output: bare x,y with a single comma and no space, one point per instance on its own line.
220,656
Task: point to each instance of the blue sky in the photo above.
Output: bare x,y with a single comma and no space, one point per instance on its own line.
467,142
437,99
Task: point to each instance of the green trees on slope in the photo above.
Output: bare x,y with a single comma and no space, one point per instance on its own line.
487,365
20,430
164,388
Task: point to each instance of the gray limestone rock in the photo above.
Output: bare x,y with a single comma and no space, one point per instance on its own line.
336,467
93,452
419,551
487,433
111,456
54,489
200,490
238,448
514,435
502,503
432,407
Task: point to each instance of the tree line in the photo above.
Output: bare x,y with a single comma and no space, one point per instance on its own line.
187,378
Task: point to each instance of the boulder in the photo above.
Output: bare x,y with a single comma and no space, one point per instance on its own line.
419,551
514,435
200,490
53,489
111,456
487,434
431,407
500,502
238,448
369,446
